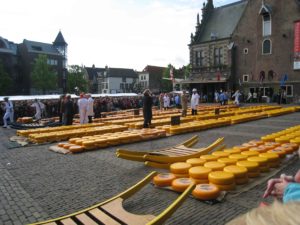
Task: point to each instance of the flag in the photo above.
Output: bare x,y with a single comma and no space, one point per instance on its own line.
283,80
171,74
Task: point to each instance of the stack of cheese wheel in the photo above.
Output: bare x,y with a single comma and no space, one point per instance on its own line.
196,162
238,157
180,169
221,154
280,152
232,151
164,179
199,174
287,148
76,148
227,161
215,166
241,148
223,180
180,184
250,153
292,145
252,167
206,192
262,162
209,158
273,159
239,172
89,144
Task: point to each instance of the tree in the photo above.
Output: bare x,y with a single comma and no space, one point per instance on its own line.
5,80
76,79
43,77
167,85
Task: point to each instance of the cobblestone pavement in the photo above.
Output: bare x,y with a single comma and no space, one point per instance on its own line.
37,184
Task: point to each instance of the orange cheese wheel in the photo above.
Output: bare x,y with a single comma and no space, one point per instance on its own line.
199,172
250,153
287,149
180,184
243,180
67,146
220,177
249,145
260,160
267,147
61,144
237,171
238,157
253,174
292,145
221,154
206,192
164,179
273,144
259,149
280,152
88,143
257,142
251,166
76,148
215,166
180,168
200,181
227,161
241,148
209,158
270,156
232,151
196,162
73,140
226,187
181,175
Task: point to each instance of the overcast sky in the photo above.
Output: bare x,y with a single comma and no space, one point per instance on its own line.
117,33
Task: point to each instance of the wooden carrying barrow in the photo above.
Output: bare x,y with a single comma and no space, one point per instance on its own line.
111,212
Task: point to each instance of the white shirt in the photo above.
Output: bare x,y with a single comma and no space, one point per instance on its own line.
90,110
195,100
39,106
82,104
166,101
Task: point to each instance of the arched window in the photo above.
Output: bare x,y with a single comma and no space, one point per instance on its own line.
270,75
266,46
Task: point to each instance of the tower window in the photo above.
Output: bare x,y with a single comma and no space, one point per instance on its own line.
267,24
217,56
200,58
266,47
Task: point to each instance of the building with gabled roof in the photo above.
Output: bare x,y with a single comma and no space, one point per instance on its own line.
151,78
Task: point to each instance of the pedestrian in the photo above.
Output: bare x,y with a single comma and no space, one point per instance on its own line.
147,108
166,101
217,95
7,106
194,101
90,111
82,108
236,97
254,96
68,111
177,101
39,108
60,108
222,98
184,102
249,97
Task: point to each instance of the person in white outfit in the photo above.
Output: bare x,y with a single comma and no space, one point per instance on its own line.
7,106
194,101
236,97
39,108
83,107
90,110
166,101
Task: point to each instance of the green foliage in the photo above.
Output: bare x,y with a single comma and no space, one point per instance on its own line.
5,80
43,77
76,79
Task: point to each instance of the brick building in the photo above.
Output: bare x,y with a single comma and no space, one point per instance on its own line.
248,45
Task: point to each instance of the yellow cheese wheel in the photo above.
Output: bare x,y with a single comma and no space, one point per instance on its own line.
196,162
253,174
287,149
260,160
220,177
88,144
250,153
180,168
237,171
241,148
282,139
221,154
164,179
73,140
199,172
227,161
292,145
200,181
264,169
268,138
181,175
243,180
280,152
206,192
67,146
251,166
215,166
295,140
238,157
61,144
209,158
226,187
270,156
232,151
76,148
180,184
259,149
